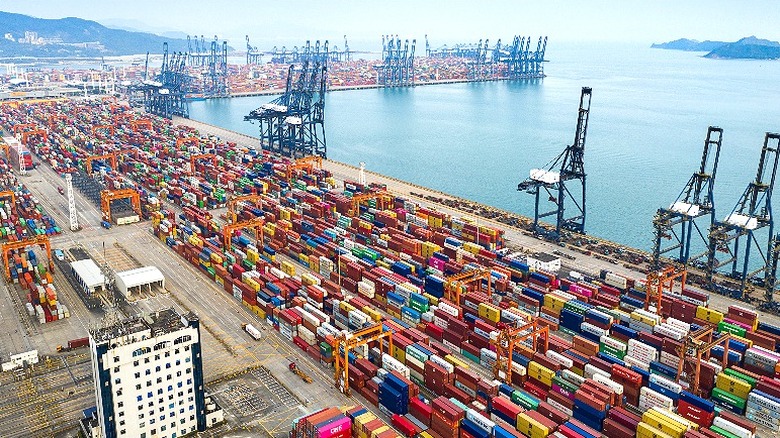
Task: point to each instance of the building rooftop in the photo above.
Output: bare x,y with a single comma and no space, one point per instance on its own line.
545,257
159,323
89,272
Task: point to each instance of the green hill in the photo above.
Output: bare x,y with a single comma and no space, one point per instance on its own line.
67,37
689,45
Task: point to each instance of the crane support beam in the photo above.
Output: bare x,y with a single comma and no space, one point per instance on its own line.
347,342
510,338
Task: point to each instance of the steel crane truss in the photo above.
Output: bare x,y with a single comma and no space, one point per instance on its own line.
563,181
659,282
254,224
752,213
696,348
511,338
456,284
679,222
346,342
106,196
7,247
233,203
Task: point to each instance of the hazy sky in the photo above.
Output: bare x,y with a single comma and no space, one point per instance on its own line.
444,21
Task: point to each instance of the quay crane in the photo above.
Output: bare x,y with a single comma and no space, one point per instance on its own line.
560,183
678,222
513,338
753,212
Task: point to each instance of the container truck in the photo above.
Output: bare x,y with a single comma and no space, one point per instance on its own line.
73,344
253,332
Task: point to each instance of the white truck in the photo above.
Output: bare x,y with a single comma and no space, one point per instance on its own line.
253,332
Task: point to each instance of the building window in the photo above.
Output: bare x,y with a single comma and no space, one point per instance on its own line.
141,424
192,408
186,348
167,365
122,423
148,372
162,428
157,368
119,393
116,359
122,432
138,387
181,393
148,383
135,363
159,391
154,431
170,387
182,421
137,375
170,377
143,434
146,360
178,362
181,411
192,417
156,357
178,373
121,413
170,406
167,354
189,381
179,384
120,404
159,380
187,359
141,416
176,351
170,397
151,421
149,394
188,370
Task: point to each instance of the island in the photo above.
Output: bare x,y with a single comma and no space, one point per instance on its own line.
746,48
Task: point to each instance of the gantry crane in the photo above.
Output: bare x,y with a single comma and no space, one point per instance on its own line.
135,125
7,247
105,128
308,163
752,213
28,134
678,222
196,157
350,341
455,283
53,120
106,196
8,194
695,349
233,203
255,224
21,127
559,182
4,146
384,200
111,157
660,281
188,141
511,337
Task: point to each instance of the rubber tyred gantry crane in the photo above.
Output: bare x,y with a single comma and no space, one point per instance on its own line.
346,342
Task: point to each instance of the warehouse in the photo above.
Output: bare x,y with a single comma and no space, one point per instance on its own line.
135,281
544,261
89,276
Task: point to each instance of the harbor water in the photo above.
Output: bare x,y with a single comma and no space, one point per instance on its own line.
649,116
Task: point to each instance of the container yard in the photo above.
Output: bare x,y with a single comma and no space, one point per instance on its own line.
432,323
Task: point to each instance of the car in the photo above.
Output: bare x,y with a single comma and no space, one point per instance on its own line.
61,190
59,254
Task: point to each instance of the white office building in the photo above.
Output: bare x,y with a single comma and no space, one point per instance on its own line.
148,377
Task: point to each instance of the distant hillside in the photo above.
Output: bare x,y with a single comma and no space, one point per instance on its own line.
22,35
747,48
690,45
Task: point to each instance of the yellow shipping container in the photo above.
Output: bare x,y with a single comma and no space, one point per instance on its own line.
284,214
252,283
303,258
530,427
471,247
554,302
709,315
345,306
288,268
373,314
219,280
268,230
195,240
393,312
259,312
489,312
664,424
382,429
383,264
431,299
540,373
216,258
642,318
434,221
252,256
676,418
645,430
456,362
731,384
428,248
308,279
380,299
398,353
